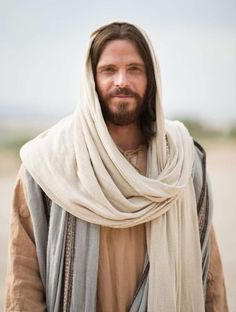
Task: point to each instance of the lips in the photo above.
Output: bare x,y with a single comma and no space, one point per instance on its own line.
122,96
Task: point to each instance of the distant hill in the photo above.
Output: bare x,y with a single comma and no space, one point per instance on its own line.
24,112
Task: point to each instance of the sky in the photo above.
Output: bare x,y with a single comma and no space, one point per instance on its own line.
42,46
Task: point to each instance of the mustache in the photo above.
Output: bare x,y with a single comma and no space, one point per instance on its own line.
122,91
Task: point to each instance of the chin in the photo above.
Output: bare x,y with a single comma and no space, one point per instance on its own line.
123,106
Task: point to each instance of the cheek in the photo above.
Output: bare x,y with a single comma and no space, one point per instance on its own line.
99,88
103,85
143,86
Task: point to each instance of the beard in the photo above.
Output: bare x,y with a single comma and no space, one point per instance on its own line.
123,115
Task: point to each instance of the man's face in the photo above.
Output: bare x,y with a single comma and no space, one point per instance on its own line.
121,82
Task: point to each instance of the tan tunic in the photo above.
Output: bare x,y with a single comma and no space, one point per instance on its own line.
121,261
122,253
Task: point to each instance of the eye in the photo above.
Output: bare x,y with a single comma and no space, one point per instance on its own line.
135,69
108,69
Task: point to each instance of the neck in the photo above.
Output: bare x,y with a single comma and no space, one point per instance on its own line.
126,137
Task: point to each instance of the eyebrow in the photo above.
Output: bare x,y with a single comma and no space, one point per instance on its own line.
105,66
136,64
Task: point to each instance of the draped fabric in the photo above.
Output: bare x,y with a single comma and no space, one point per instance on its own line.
79,167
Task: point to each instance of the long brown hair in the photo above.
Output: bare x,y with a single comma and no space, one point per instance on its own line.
127,31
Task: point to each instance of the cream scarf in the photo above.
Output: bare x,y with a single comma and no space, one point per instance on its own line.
80,168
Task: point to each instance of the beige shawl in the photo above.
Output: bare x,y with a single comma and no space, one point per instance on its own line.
80,168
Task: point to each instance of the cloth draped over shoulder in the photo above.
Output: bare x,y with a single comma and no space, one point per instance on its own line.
80,168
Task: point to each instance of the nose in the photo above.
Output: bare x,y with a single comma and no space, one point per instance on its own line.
121,79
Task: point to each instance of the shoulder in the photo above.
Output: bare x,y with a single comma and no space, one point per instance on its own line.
199,166
20,205
200,151
199,174
32,193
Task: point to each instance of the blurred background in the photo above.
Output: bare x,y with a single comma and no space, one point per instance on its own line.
42,46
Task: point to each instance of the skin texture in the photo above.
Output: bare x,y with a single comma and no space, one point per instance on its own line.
121,83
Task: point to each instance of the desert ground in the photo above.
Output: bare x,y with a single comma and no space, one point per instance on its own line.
221,164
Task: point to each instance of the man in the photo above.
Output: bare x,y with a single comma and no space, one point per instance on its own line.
112,210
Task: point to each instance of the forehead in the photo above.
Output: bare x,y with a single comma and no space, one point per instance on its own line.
120,50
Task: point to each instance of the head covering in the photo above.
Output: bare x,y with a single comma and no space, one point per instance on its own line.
79,167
